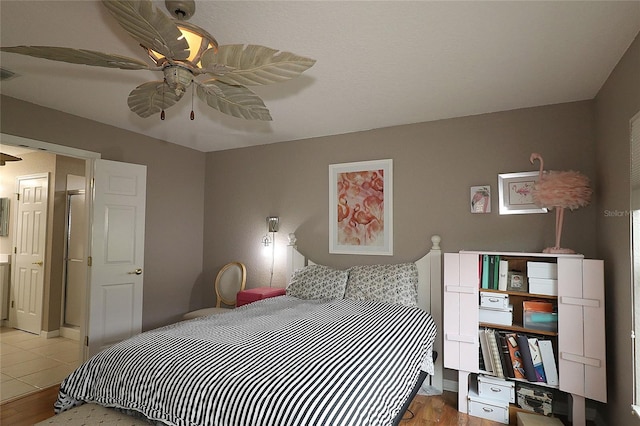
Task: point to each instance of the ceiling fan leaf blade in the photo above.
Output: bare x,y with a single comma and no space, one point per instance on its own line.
236,101
150,27
256,65
78,56
151,98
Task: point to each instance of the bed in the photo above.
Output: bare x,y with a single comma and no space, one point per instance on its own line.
343,347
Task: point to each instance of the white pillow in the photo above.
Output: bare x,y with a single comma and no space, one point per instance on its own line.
397,283
318,282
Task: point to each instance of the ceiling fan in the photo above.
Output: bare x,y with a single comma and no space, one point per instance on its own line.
184,52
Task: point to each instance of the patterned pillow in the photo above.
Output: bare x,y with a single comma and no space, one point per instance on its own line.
396,283
317,282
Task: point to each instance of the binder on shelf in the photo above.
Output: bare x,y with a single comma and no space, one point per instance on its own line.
536,359
496,272
507,365
503,274
485,271
527,361
486,352
492,272
516,358
495,353
548,361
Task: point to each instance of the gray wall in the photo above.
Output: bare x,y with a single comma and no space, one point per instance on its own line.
175,198
616,103
434,166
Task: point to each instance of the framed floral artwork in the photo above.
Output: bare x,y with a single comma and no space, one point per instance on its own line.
515,192
361,208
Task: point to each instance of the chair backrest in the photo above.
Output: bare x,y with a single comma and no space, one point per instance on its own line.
229,281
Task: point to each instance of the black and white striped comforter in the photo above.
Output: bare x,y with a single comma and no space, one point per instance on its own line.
279,361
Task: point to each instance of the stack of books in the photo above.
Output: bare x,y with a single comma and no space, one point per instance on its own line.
520,356
492,272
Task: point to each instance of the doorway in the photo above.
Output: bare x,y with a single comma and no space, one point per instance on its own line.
75,266
115,212
56,356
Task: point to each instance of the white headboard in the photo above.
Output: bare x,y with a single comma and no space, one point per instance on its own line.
429,290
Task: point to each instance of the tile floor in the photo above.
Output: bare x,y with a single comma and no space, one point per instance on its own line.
29,363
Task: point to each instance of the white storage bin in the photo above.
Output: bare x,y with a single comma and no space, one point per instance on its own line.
496,389
496,316
488,409
543,286
542,270
494,300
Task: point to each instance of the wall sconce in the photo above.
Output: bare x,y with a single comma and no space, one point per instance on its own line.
272,226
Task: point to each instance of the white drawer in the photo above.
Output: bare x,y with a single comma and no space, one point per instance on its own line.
488,409
494,300
503,391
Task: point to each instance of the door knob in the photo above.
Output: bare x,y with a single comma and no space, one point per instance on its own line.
39,263
136,272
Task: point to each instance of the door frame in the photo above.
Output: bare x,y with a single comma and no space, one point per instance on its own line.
89,157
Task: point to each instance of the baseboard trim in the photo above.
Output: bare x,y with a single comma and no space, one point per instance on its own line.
70,333
451,385
50,334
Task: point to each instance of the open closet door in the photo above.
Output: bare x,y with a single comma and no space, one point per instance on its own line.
117,253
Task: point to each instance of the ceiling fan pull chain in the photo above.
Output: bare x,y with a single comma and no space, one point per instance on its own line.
162,112
192,116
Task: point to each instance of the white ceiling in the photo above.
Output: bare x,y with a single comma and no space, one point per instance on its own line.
379,63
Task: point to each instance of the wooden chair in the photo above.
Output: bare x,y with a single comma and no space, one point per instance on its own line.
230,280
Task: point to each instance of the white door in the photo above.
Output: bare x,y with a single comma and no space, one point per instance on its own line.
30,244
117,253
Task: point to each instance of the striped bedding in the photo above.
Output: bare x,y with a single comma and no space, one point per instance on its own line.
279,361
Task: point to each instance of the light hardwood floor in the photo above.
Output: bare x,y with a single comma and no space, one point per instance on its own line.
425,410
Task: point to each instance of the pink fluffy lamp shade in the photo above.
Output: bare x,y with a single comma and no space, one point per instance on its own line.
560,191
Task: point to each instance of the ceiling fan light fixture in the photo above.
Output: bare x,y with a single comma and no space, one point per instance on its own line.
183,52
198,40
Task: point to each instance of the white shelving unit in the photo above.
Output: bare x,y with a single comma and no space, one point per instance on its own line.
581,356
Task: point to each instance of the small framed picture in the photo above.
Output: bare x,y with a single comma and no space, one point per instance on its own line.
517,281
515,193
480,199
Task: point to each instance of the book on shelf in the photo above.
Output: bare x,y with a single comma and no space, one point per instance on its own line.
503,274
536,358
527,361
516,358
548,361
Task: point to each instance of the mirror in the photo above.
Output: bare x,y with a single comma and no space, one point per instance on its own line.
4,217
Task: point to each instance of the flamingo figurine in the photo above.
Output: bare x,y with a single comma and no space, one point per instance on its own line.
560,190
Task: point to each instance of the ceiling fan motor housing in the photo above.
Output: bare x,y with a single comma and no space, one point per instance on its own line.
181,9
178,78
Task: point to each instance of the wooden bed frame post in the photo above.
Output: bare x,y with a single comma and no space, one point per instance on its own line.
430,300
